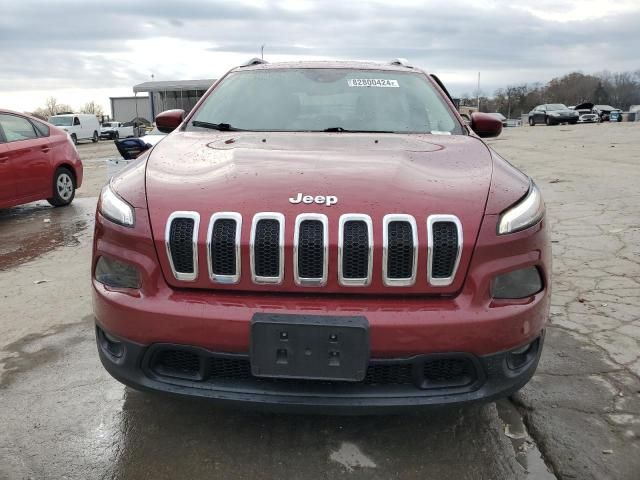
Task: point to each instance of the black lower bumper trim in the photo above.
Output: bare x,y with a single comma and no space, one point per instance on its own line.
226,378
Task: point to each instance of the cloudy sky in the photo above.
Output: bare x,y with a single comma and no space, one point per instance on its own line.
89,50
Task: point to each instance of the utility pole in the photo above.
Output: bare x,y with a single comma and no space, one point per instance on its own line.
262,52
478,91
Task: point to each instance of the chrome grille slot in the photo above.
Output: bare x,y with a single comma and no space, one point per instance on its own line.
181,240
355,249
444,238
267,248
310,249
400,250
223,247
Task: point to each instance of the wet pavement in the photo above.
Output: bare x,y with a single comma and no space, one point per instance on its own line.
63,416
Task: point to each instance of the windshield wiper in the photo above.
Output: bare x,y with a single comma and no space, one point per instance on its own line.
223,127
340,129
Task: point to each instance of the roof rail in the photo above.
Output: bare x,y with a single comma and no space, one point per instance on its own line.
253,61
402,62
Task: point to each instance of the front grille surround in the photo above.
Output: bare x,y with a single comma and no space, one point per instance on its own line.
386,279
431,220
355,282
260,279
218,278
195,217
319,281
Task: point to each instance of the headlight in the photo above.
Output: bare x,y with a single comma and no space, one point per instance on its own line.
115,209
523,214
517,284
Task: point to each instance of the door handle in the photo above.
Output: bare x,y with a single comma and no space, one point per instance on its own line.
46,149
3,159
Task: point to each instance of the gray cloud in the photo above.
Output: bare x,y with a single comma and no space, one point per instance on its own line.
76,43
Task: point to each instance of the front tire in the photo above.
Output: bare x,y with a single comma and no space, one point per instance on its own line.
532,122
64,188
548,121
74,139
116,136
94,139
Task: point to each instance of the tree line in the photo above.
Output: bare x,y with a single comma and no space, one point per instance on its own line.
620,90
52,107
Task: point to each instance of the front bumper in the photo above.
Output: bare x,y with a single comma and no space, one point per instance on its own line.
222,378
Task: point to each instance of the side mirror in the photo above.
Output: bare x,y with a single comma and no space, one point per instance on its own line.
169,120
131,148
485,125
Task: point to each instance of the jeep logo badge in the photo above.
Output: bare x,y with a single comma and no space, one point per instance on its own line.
327,200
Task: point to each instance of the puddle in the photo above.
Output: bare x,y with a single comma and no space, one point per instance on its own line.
31,230
527,453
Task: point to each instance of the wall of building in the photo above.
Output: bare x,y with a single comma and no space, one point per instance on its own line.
123,109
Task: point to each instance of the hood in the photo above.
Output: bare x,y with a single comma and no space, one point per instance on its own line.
371,174
584,106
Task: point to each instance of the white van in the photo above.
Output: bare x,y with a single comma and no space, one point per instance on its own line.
79,126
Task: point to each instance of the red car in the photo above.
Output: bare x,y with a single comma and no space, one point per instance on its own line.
37,161
322,236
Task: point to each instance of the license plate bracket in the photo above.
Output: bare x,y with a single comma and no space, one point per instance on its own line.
311,347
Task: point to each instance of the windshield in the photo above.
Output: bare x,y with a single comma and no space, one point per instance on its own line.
321,99
61,121
556,106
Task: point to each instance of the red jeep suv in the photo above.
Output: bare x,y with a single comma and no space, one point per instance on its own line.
322,236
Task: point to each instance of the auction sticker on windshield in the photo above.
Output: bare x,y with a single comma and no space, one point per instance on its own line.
372,82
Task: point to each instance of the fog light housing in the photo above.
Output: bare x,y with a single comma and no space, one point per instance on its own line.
524,355
117,274
520,283
109,344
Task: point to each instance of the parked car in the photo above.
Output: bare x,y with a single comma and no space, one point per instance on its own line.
116,130
80,126
500,117
308,238
37,161
605,112
552,114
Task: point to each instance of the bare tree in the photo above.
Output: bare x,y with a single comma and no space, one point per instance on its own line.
92,107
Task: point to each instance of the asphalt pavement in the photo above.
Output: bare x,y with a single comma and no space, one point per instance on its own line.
63,416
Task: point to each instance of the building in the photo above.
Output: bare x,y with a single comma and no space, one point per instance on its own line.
161,95
128,109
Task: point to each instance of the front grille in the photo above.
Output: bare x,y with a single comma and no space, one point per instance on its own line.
422,372
177,363
444,238
393,374
311,249
311,243
181,244
355,250
447,370
400,250
445,249
266,249
223,247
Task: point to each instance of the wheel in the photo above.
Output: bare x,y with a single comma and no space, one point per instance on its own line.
94,139
532,122
64,188
116,135
548,121
74,139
